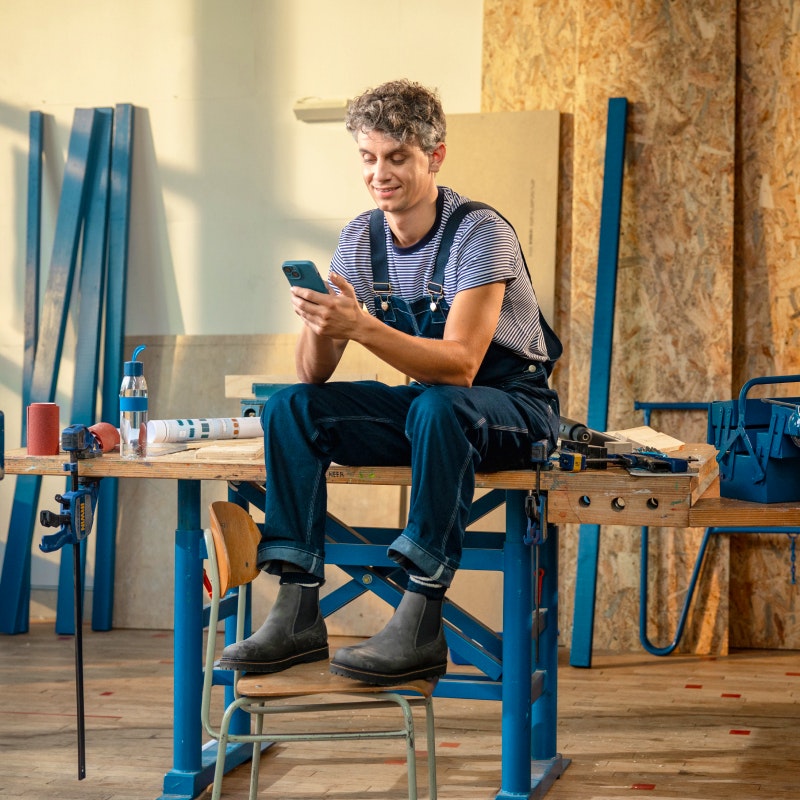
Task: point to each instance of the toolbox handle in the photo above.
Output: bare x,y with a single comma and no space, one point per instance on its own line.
763,379
725,453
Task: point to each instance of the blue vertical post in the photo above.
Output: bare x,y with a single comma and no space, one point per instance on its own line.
600,373
87,351
517,622
116,282
15,584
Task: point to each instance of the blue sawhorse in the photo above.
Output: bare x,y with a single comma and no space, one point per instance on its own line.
514,668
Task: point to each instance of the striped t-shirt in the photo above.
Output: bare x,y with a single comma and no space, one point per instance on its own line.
485,250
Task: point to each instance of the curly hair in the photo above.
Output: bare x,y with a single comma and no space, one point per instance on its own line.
404,110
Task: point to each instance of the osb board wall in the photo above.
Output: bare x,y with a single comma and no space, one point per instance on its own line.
708,291
765,603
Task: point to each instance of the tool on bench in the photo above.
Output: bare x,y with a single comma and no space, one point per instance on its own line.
576,457
573,431
536,534
652,461
75,521
536,499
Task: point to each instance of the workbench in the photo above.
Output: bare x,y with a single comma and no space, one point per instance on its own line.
507,667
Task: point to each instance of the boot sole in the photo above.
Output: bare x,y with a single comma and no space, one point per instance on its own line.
382,679
266,667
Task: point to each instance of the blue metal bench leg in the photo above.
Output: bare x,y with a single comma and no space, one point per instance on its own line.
192,764
517,619
530,762
698,565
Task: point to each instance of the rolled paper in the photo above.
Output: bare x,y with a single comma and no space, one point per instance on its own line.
195,430
43,429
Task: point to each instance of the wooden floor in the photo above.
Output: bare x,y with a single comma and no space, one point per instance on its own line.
634,726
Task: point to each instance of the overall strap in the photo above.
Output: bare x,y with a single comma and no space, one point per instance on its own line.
377,248
380,263
449,234
551,340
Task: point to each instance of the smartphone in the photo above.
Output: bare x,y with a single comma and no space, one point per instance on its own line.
305,274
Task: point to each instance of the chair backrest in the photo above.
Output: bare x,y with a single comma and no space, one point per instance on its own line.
232,544
235,536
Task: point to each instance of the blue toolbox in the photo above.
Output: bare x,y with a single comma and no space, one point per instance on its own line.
758,440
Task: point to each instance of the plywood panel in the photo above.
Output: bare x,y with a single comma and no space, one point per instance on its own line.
510,161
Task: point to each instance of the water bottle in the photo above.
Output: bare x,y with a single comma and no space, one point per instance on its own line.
133,409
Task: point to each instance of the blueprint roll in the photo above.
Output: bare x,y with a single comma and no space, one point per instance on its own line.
199,430
43,429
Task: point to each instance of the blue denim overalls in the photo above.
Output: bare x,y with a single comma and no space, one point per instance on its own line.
444,432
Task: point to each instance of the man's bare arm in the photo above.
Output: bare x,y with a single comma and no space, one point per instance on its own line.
454,359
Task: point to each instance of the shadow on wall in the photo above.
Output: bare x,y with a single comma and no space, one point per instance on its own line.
151,271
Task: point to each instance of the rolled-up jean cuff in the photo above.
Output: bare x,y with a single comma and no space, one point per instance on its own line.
310,562
402,549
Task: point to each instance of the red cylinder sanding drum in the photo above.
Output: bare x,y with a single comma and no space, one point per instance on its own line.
43,430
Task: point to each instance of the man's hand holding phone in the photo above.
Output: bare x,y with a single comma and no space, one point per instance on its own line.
337,315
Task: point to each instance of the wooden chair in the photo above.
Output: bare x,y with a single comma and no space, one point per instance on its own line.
231,543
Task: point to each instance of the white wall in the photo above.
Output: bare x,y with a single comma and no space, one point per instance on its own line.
227,182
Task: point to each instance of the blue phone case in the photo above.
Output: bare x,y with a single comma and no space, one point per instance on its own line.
305,274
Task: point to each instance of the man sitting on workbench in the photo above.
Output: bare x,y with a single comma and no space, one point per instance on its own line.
469,334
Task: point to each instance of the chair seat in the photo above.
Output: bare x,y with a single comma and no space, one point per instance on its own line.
231,545
303,680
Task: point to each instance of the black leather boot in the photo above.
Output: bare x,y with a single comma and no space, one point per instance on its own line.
294,632
411,646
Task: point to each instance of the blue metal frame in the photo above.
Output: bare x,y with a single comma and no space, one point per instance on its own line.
698,564
647,408
119,204
15,578
526,686
26,498
600,370
94,203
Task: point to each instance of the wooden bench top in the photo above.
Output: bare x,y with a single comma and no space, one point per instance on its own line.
610,496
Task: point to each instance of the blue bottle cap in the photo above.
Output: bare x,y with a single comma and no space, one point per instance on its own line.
134,367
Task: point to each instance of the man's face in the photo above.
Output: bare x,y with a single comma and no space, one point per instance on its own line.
398,176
